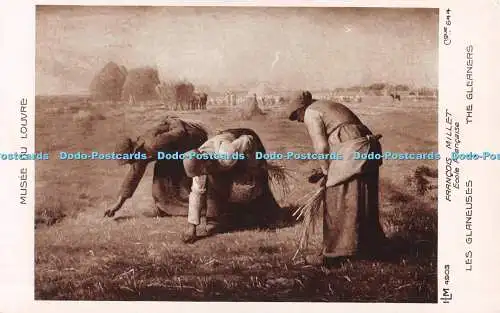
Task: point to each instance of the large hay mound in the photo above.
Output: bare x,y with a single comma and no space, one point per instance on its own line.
249,109
141,84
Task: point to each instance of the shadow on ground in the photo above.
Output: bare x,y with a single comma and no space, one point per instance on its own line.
244,217
404,271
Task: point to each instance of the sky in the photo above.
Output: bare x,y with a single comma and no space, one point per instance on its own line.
234,47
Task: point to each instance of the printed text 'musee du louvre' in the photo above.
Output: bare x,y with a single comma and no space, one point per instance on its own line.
23,135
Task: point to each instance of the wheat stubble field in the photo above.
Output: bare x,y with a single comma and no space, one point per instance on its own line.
79,255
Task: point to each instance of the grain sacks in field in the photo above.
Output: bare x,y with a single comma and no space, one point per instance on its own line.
54,110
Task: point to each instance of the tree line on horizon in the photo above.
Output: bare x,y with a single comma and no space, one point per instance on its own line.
380,89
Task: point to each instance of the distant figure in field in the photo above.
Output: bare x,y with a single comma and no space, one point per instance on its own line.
395,97
131,100
172,135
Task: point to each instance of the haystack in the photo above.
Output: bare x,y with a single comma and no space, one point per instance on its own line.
108,82
140,84
166,93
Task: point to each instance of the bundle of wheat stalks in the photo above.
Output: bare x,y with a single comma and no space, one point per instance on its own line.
310,211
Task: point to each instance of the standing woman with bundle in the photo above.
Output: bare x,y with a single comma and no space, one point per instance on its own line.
351,224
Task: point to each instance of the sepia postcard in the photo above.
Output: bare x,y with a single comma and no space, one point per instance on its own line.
249,155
